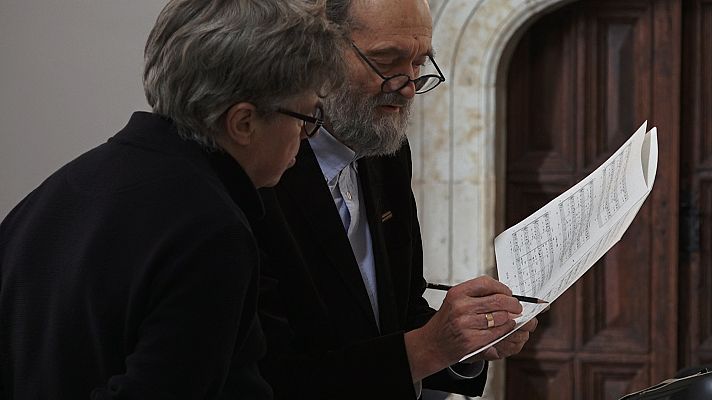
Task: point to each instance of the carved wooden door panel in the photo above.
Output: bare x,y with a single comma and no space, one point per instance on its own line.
696,186
580,81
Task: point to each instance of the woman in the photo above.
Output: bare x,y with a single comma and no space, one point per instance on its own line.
132,271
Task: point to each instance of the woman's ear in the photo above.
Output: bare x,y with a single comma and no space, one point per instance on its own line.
240,122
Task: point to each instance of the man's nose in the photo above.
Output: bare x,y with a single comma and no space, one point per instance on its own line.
408,91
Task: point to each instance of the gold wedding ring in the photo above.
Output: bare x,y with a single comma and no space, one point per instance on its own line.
490,320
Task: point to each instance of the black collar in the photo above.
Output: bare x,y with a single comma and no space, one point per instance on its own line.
157,133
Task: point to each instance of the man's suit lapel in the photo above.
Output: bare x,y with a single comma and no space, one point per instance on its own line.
372,186
306,185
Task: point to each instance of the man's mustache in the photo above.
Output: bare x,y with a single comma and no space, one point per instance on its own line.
392,99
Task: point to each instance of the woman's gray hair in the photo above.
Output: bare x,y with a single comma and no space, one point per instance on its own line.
202,57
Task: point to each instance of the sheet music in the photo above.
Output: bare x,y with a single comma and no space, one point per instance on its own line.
547,252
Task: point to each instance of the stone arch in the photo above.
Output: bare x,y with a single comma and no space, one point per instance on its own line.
457,129
457,139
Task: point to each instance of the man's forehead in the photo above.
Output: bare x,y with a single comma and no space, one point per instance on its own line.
393,17
392,27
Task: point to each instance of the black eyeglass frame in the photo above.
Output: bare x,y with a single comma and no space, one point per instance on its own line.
440,78
318,122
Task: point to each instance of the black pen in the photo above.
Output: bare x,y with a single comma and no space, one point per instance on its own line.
526,299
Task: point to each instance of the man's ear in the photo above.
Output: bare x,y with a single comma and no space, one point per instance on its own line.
240,121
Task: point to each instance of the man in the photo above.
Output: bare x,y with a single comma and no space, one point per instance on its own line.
341,299
132,272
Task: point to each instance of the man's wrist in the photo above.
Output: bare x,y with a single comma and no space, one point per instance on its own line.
421,358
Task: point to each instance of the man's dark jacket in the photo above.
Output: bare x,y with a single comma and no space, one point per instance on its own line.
131,273
322,338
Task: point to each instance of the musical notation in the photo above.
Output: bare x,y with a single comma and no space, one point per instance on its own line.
547,252
533,247
575,212
614,191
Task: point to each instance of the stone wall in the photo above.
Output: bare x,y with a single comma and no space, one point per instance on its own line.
458,136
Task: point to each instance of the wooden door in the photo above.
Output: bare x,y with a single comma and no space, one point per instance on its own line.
696,186
580,81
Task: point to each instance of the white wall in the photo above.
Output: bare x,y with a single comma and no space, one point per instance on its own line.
70,76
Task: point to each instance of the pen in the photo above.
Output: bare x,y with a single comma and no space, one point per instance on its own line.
526,299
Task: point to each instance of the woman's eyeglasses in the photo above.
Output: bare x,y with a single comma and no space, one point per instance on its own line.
311,124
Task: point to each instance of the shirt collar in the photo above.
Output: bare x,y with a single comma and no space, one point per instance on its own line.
332,155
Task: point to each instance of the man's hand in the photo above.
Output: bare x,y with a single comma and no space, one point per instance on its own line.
461,325
512,344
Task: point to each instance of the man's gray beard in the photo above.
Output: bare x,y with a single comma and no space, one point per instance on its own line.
356,122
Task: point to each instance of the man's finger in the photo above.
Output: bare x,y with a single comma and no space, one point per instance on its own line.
483,286
491,319
491,354
495,302
530,326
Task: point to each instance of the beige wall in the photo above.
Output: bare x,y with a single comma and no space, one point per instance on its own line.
70,75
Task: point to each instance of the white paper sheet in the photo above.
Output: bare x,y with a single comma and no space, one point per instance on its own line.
547,252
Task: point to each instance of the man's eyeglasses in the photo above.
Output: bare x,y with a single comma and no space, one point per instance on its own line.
397,82
311,124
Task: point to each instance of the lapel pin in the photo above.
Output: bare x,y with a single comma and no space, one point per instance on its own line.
386,216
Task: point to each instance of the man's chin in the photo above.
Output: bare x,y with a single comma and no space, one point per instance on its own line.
392,119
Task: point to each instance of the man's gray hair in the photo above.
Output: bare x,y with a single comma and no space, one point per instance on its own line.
202,57
338,12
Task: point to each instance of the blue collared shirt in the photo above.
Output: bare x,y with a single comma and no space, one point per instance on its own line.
338,163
